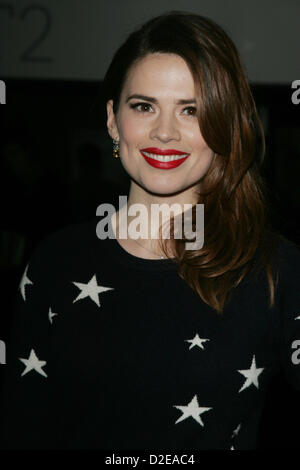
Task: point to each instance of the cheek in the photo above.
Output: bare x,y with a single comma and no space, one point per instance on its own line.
194,137
201,148
208,157
205,156
131,130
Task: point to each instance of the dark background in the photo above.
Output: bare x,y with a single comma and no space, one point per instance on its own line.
49,180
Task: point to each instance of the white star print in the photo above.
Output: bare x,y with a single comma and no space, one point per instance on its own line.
196,341
51,315
251,375
32,363
91,289
24,281
232,448
297,318
236,431
193,410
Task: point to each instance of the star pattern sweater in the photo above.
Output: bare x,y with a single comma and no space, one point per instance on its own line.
112,351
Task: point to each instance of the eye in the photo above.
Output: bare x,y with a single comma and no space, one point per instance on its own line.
138,107
191,108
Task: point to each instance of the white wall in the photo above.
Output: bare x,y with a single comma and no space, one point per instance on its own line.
75,39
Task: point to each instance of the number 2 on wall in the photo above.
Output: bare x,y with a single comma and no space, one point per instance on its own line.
28,54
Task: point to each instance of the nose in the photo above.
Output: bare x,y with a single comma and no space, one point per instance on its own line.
165,128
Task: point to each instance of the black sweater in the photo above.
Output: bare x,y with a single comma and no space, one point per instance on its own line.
112,351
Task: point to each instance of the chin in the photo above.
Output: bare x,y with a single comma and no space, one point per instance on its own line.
163,189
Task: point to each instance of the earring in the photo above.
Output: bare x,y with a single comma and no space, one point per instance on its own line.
116,148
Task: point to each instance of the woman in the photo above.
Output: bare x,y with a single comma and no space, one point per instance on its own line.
114,347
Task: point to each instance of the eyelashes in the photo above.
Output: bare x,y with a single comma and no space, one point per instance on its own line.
136,107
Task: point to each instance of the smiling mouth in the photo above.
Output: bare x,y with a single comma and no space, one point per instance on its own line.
164,162
164,158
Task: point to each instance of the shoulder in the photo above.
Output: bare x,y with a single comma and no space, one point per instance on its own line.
73,242
68,237
282,254
286,258
286,268
277,261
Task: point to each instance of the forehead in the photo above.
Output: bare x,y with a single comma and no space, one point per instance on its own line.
159,71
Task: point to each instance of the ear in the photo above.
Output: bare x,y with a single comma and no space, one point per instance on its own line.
111,121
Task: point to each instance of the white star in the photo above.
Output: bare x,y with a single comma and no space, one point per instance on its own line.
32,363
51,314
193,410
232,448
297,318
236,431
196,341
24,281
91,289
251,375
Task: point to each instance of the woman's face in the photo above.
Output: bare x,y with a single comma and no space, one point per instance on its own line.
163,118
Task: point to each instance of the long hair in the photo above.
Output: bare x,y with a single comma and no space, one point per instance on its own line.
235,230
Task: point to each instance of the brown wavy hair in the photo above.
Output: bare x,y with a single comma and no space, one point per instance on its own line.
235,231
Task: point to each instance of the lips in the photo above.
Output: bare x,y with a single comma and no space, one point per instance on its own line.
164,159
158,151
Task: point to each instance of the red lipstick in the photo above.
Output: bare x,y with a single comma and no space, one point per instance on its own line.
148,152
163,152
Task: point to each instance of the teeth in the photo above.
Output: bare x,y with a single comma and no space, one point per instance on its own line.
164,158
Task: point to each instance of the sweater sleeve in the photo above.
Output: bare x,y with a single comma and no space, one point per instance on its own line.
27,405
289,286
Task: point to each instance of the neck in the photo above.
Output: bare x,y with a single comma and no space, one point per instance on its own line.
154,210
141,223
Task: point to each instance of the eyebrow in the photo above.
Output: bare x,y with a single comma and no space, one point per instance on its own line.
154,100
